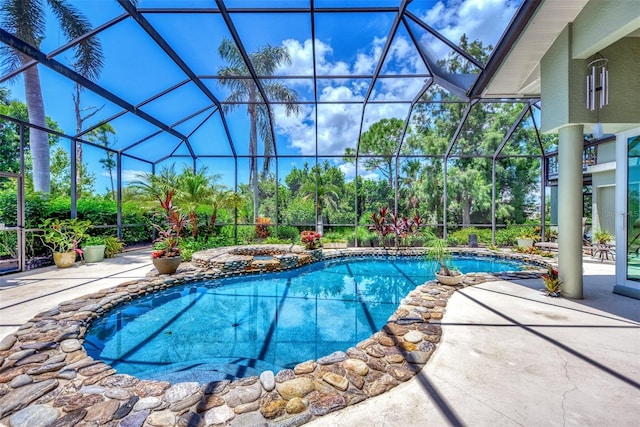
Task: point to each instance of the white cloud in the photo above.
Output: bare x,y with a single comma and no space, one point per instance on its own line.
479,19
338,125
128,175
349,171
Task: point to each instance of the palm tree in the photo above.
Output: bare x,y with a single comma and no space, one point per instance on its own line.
26,20
328,196
151,188
223,198
265,62
194,189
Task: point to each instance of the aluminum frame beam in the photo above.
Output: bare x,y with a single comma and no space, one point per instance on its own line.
14,42
160,41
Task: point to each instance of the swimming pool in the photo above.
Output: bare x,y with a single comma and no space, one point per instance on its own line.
238,327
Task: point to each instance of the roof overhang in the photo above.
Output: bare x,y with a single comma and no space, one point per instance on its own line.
519,73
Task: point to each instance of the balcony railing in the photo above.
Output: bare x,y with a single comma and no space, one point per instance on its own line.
589,158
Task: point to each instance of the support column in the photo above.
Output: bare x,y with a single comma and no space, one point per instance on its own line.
570,146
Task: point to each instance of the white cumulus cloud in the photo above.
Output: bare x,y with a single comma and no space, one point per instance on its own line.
337,126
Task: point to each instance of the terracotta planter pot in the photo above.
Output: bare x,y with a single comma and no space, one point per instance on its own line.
64,259
167,265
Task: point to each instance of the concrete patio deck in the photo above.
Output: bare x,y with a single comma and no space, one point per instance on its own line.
509,355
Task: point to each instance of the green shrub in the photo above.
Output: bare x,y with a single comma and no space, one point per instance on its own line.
273,240
35,210
334,236
246,234
99,212
190,245
461,237
113,246
288,233
508,236
9,244
364,235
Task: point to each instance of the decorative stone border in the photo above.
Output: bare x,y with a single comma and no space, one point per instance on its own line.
46,377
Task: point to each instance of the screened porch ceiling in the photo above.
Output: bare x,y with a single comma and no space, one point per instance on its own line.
353,63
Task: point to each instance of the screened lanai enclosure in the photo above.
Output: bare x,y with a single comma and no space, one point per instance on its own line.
300,114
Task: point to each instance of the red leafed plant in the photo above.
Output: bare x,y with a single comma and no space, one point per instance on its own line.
157,254
170,232
262,227
385,223
310,239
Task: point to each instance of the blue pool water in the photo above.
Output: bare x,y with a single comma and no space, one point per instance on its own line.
238,327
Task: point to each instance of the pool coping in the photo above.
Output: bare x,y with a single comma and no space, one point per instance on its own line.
46,373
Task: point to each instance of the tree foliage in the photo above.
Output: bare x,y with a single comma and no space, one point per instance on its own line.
27,21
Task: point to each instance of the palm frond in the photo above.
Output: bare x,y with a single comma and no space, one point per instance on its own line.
24,19
88,53
280,92
267,59
230,53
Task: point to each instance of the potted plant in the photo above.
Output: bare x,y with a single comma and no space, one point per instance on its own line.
439,252
166,256
93,249
310,239
552,283
603,237
525,238
63,237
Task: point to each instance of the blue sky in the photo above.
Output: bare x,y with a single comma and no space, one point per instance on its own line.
346,44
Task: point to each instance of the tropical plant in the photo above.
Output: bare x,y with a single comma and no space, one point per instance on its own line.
262,227
26,20
265,62
380,225
170,232
333,237
221,198
150,188
405,228
113,246
364,236
93,241
439,253
194,189
526,233
310,239
552,282
64,235
400,226
327,194
603,237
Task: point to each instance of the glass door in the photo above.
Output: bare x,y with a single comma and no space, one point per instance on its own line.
633,209
11,227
